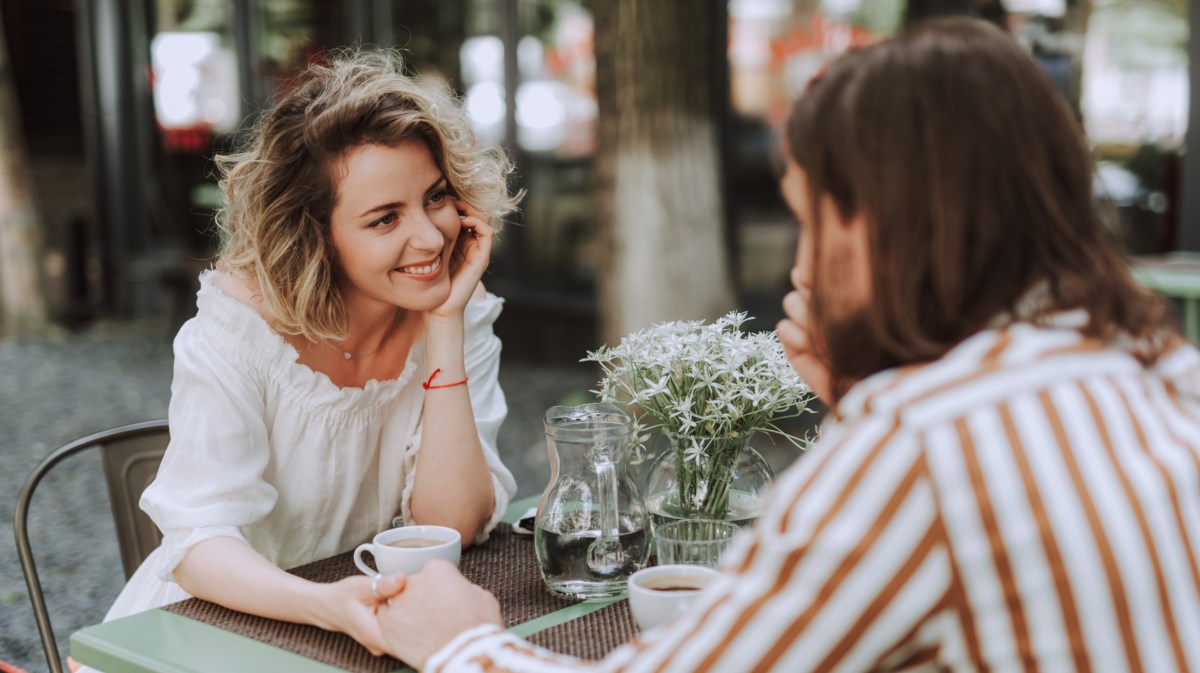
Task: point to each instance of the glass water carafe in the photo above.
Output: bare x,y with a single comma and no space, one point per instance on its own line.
592,529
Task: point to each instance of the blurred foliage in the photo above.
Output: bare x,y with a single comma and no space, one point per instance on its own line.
1144,34
540,16
881,17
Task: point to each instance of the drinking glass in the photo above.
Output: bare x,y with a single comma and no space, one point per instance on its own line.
693,541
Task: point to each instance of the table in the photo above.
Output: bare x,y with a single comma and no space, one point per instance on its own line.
165,641
1175,275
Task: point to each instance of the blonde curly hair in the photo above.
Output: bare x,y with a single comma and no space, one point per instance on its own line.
281,187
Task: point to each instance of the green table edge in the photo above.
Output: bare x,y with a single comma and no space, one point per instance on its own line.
129,645
562,616
193,647
1171,282
1181,283
517,507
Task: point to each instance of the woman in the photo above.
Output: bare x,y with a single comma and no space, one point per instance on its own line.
341,370
1009,477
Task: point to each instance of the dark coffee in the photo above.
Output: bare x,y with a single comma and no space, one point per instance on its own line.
675,583
414,542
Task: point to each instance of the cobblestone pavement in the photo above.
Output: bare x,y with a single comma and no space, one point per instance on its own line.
61,388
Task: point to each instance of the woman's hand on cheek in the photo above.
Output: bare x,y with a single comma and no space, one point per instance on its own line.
799,344
472,252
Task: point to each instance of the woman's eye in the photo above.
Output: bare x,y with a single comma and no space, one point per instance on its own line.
439,196
383,221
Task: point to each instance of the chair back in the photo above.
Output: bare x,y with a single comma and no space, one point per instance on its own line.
130,455
130,464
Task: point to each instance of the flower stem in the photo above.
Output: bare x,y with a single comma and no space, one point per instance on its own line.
704,483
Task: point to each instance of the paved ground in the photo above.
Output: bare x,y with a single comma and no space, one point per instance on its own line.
68,386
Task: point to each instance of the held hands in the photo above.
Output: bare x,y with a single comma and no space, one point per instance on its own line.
350,607
799,340
472,251
429,609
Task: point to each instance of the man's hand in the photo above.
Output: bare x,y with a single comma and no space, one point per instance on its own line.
430,609
799,340
349,606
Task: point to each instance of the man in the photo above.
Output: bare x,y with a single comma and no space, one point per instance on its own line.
1010,475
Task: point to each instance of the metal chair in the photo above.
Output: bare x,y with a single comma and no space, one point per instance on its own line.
131,455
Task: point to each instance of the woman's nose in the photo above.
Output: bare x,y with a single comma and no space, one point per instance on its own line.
426,235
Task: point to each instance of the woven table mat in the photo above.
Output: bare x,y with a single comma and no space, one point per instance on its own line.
591,636
506,565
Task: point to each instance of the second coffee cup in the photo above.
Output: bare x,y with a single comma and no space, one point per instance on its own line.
659,592
407,549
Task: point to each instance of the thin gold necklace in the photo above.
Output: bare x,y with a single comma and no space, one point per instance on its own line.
348,354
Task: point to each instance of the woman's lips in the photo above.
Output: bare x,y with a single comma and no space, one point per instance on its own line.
422,271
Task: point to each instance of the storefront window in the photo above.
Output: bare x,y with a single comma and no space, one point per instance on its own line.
196,95
1121,64
775,47
556,98
1134,102
555,138
194,74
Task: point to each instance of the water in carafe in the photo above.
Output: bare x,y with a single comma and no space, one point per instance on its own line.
592,529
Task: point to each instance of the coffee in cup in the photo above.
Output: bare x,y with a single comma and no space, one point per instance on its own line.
414,542
407,549
675,582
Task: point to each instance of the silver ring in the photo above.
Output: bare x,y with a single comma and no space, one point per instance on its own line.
375,588
462,217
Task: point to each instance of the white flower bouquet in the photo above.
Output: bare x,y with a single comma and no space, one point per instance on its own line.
707,388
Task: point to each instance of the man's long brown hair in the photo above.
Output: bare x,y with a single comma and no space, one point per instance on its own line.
974,179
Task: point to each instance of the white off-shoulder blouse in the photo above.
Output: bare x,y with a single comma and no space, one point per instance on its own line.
268,451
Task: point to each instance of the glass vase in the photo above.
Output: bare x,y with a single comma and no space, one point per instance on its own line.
699,477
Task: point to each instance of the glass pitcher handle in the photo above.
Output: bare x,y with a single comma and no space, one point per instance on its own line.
606,477
605,555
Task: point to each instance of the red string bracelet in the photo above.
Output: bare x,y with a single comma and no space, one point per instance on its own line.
428,385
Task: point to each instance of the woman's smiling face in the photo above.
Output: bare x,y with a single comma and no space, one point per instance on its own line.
393,227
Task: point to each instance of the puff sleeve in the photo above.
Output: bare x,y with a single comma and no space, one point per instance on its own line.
210,482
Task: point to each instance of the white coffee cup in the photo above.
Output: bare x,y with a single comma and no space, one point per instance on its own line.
656,594
430,542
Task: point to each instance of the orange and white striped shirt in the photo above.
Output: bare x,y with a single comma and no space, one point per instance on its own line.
1030,501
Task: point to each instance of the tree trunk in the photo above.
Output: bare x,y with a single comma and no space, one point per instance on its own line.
660,201
22,302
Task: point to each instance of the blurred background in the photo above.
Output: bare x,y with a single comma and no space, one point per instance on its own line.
121,104
634,124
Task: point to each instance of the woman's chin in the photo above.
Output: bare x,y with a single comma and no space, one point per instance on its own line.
426,300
